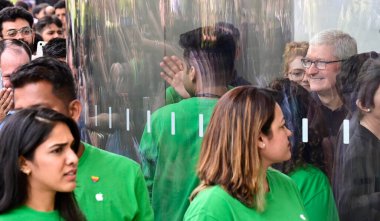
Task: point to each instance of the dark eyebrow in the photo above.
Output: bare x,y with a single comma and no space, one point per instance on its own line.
58,145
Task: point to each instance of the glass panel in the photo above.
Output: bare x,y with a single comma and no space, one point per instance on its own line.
115,51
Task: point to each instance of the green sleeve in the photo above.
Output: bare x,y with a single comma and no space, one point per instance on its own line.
322,207
143,202
149,156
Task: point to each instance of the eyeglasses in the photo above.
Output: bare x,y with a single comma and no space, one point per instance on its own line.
296,75
321,65
25,31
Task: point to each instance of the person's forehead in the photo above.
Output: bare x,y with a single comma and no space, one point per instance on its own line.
36,94
60,10
51,27
16,24
320,51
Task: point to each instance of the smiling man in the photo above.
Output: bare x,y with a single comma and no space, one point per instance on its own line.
323,62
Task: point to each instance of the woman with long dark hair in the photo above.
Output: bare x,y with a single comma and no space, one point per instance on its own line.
38,165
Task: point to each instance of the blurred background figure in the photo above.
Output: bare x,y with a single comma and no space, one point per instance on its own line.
5,3
60,12
13,54
56,48
24,5
292,66
246,135
39,11
49,27
38,167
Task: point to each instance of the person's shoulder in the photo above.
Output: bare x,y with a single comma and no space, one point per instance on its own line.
208,203
96,154
275,174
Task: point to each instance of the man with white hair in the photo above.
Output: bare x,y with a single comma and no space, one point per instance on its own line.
323,62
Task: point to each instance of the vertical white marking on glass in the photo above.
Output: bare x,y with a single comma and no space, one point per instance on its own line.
127,118
148,126
305,131
96,115
173,123
110,117
346,131
200,125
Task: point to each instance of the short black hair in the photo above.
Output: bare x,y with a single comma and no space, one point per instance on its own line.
51,70
22,4
213,48
13,13
46,21
55,48
37,9
5,3
60,4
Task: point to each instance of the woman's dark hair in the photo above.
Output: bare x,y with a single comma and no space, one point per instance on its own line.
347,79
22,133
296,104
369,82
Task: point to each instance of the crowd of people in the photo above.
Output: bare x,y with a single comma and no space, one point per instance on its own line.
222,148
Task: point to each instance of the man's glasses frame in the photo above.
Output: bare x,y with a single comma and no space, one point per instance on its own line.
321,65
25,31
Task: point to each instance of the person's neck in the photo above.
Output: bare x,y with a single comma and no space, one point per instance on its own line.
372,124
42,201
330,100
211,92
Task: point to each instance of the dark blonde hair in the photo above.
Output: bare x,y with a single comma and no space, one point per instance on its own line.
292,50
229,155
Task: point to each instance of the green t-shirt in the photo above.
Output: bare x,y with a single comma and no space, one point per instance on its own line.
316,193
172,97
169,160
25,213
283,202
111,187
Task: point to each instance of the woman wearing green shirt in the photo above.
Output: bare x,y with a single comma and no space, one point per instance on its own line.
38,165
307,167
246,135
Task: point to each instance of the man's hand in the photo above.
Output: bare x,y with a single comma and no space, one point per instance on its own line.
6,102
173,71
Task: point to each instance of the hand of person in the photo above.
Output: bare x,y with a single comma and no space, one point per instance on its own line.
173,70
6,102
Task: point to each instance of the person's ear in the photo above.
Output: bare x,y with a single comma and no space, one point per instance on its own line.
359,104
192,74
75,109
24,166
261,141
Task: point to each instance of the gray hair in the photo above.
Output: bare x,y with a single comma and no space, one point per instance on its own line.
344,46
